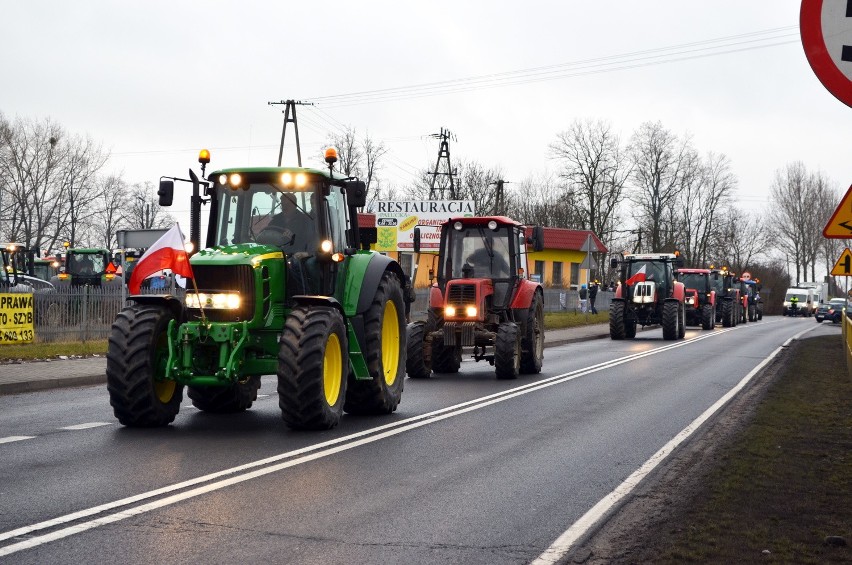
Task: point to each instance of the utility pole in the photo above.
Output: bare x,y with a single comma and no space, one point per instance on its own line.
290,105
443,155
499,197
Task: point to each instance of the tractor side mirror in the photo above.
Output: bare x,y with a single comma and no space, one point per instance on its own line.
367,237
680,263
613,262
356,193
166,192
538,238
416,239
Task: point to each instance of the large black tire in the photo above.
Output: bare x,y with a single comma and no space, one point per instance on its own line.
759,312
671,319
681,328
507,351
418,358
727,314
616,320
384,351
708,317
313,365
532,344
630,328
136,357
225,400
752,313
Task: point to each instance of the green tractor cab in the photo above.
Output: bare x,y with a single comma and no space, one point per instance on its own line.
279,287
87,267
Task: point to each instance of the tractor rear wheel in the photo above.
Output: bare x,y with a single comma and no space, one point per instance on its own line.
629,327
616,320
708,317
312,368
532,345
384,352
418,359
136,361
681,326
752,313
507,351
225,400
671,317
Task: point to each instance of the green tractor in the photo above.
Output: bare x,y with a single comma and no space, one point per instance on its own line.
87,267
284,285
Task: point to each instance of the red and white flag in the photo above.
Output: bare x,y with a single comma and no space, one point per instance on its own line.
638,277
168,252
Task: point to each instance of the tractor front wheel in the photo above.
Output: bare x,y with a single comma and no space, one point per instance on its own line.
532,345
671,317
681,326
418,359
708,317
616,320
312,368
507,351
237,397
727,314
384,351
136,362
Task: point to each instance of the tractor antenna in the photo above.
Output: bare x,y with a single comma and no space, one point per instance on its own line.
290,105
443,155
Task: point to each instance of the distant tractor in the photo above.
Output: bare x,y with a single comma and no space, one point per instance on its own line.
729,309
647,295
482,300
700,298
29,269
87,267
755,302
282,288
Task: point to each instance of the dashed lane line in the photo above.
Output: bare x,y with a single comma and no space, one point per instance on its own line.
10,439
86,426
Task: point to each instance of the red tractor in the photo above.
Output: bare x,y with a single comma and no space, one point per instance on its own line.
730,305
482,300
647,295
700,298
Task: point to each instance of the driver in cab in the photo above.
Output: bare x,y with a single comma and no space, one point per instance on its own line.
290,228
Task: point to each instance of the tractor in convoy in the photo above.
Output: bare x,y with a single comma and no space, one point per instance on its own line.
482,300
284,285
87,267
648,294
700,298
729,309
28,268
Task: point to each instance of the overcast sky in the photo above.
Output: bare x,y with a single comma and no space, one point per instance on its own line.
155,81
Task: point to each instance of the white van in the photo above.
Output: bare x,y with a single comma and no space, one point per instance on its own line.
808,301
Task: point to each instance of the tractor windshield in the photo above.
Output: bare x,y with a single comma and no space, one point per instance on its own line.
697,281
85,264
268,213
477,252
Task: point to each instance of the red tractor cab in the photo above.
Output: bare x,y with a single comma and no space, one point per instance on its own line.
482,301
700,297
648,294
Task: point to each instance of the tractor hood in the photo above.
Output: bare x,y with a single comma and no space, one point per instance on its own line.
239,254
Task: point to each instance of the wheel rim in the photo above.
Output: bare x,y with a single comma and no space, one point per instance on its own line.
332,369
390,342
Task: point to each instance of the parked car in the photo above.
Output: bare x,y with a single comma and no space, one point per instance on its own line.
830,310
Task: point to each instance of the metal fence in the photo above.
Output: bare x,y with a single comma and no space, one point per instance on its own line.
86,313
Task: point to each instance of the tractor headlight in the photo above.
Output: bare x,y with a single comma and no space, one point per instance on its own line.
690,300
214,301
470,311
450,311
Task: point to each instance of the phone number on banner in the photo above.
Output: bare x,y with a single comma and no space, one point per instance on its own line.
16,318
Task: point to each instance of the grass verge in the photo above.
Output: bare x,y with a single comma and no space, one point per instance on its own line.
784,485
559,320
27,351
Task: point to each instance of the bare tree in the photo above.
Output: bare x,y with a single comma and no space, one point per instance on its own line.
596,170
111,213
144,211
350,154
792,213
708,187
542,201
658,158
738,240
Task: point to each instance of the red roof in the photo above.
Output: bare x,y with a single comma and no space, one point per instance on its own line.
571,240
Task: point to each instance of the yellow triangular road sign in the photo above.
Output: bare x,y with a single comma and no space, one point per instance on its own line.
843,267
840,224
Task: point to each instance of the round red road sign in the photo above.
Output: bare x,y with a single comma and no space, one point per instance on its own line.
826,28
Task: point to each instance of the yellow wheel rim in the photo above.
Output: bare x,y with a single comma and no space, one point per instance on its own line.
390,342
332,369
164,390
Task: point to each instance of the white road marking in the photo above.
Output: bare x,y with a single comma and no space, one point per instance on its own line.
273,464
569,537
10,439
86,426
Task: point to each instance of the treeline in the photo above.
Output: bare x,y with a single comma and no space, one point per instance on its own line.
54,187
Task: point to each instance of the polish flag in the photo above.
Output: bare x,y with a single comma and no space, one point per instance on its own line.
638,277
168,252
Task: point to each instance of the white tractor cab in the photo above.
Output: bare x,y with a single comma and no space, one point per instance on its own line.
807,301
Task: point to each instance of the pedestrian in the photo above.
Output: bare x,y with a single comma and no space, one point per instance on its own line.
584,295
593,293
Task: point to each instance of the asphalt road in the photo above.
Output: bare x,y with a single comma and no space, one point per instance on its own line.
469,469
